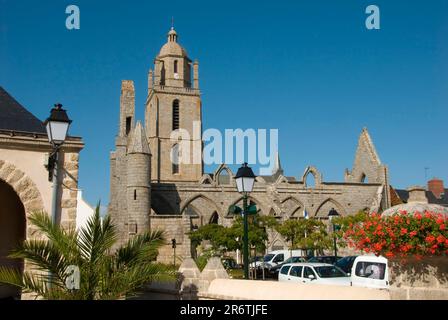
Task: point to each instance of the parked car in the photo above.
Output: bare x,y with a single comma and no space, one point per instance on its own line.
324,259
273,272
276,257
314,273
346,263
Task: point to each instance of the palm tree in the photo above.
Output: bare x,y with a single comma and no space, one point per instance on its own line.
104,273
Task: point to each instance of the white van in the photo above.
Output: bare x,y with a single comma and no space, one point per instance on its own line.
276,257
370,271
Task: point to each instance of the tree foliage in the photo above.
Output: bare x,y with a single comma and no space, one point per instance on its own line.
305,234
225,239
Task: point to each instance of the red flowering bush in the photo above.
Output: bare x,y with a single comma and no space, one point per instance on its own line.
401,234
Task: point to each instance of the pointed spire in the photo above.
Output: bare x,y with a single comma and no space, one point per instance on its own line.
277,165
366,140
138,142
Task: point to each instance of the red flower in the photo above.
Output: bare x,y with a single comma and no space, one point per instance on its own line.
412,233
418,215
440,220
404,231
377,247
389,254
427,215
430,239
442,227
441,239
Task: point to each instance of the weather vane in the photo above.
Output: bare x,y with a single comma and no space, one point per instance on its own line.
172,22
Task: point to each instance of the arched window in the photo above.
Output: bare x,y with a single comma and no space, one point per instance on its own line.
364,178
175,66
214,219
175,114
310,180
175,159
224,177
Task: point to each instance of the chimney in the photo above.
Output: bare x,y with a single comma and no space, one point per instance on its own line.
436,187
417,194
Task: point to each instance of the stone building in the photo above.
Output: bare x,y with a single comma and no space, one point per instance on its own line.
149,191
24,184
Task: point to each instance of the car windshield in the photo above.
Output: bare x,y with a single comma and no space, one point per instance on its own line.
330,272
268,257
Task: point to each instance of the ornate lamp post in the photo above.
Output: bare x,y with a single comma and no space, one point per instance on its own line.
245,180
57,126
331,215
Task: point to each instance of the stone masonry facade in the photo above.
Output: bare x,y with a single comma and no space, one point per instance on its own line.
148,192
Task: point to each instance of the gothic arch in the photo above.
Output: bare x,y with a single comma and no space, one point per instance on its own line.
316,174
324,208
218,172
261,209
294,208
199,210
24,187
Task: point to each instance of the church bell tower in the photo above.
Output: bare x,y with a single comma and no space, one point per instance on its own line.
174,104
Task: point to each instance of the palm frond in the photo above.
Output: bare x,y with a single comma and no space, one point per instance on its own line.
97,237
142,248
26,281
44,256
64,240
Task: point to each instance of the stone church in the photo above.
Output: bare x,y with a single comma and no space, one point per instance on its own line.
148,191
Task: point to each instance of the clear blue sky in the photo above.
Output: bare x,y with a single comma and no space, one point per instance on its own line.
309,68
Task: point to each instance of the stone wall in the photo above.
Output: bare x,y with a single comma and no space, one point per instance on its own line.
174,227
413,279
69,196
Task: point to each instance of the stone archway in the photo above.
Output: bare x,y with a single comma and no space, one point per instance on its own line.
23,186
19,197
12,233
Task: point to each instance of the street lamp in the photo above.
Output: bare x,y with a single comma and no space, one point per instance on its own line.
57,125
245,180
331,215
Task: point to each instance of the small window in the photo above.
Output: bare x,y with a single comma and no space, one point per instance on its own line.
175,66
285,269
296,271
175,159
128,125
135,194
132,228
372,270
176,119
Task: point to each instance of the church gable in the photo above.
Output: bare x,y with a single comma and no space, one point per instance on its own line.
367,165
